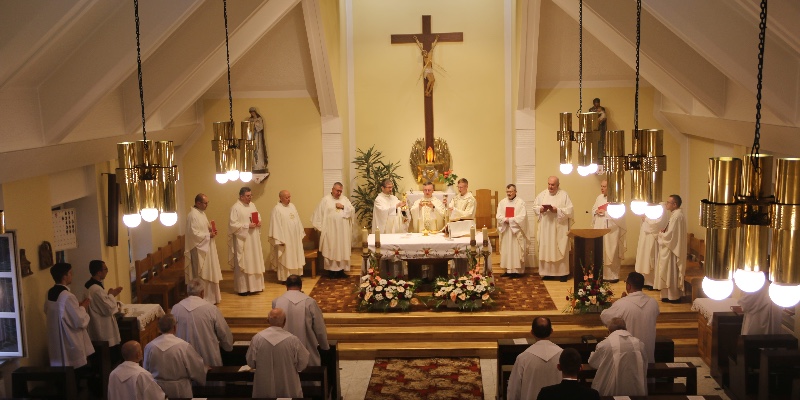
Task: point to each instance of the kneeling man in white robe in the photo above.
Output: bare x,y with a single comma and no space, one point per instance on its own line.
639,311
129,381
553,208
286,238
333,218
512,226
278,357
173,362
620,363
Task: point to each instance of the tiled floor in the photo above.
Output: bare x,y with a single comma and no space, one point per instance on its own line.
355,378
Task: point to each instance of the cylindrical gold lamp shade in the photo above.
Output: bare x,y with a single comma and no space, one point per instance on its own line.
756,193
224,130
787,185
720,214
128,178
724,179
785,259
588,138
757,184
2,222
565,122
169,199
565,138
648,144
246,154
614,162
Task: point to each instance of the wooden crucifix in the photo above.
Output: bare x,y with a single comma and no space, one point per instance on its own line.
427,40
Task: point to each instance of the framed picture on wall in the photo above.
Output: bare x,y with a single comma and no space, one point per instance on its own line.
10,299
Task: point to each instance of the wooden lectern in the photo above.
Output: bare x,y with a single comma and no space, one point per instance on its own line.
587,250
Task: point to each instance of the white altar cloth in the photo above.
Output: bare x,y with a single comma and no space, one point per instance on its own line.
144,313
415,245
708,307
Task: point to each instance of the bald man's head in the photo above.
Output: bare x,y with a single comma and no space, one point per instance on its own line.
277,317
132,351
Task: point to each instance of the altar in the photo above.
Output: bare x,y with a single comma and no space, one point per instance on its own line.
416,249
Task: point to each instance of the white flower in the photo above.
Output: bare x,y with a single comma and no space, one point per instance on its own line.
389,295
459,291
470,288
378,288
379,297
603,290
401,282
408,295
448,289
462,296
401,289
365,284
364,278
480,288
580,292
367,296
451,282
383,282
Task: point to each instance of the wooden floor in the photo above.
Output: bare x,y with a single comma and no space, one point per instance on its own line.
430,334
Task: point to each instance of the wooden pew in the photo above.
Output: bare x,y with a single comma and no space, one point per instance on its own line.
169,269
744,364
239,384
659,370
311,250
148,283
693,278
60,380
100,363
779,368
726,328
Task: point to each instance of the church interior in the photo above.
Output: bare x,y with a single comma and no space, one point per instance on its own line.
330,82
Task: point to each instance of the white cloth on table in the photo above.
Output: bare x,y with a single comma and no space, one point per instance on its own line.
335,228
144,313
129,381
245,255
174,364
761,315
304,320
102,324
463,207
647,248
278,357
203,326
201,252
707,307
614,243
513,235
672,250
640,312
385,217
620,364
553,232
534,369
424,217
286,238
68,341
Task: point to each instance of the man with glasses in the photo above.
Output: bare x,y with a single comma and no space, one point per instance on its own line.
385,215
201,250
102,306
672,246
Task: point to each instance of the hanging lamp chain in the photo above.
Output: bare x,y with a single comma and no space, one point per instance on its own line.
638,45
580,56
754,151
228,60
139,65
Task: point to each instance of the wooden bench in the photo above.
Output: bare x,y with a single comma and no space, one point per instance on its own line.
744,364
311,250
61,382
695,269
659,370
239,384
718,341
149,284
778,370
171,268
486,212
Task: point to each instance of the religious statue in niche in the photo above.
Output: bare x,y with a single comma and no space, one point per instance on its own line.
428,66
45,255
260,160
25,265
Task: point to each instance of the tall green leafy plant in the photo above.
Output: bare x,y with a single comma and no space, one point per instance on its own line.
371,170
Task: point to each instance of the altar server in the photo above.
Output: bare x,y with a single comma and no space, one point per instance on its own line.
388,215
427,213
333,218
672,246
647,248
512,225
639,311
303,318
286,238
68,341
201,250
102,306
620,363
537,366
462,206
761,315
129,381
614,244
245,255
553,209
173,362
202,325
278,357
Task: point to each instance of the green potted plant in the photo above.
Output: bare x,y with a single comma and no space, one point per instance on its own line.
371,170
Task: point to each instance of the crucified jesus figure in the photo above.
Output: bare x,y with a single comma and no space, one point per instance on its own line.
427,66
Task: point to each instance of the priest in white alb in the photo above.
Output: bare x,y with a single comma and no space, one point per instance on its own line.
647,248
512,226
537,366
202,325
427,213
173,362
245,255
103,306
286,238
388,215
620,363
333,218
68,341
462,205
672,247
129,381
303,318
614,244
278,357
639,311
553,209
761,315
201,250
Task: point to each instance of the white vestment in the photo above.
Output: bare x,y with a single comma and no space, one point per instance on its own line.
202,325
304,320
129,381
201,254
336,229
672,251
68,342
620,364
552,233
245,255
513,234
761,315
174,364
278,357
647,249
286,239
385,216
463,207
534,369
614,244
640,312
102,324
423,217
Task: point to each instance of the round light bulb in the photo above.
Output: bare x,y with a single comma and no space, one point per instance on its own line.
784,295
246,176
592,168
131,220
233,175
168,219
654,211
149,214
717,289
638,207
616,210
566,169
583,171
222,178
749,281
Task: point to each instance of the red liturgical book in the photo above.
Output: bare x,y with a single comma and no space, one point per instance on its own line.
254,218
509,212
213,226
603,207
547,207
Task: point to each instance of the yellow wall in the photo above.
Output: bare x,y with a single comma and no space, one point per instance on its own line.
295,163
469,109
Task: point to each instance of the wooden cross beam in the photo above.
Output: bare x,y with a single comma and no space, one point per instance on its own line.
427,38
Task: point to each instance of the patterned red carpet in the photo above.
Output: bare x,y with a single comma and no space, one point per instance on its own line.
526,293
425,378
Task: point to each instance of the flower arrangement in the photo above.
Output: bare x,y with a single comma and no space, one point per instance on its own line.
448,177
468,292
381,294
593,294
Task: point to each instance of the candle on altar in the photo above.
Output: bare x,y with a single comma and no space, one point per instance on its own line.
485,233
472,233
364,235
377,236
